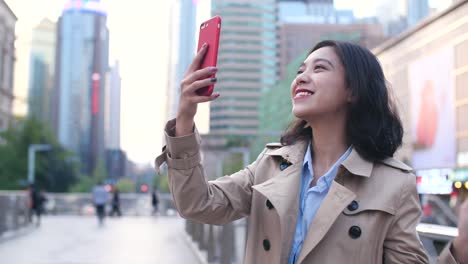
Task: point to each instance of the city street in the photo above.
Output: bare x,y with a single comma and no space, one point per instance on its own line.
79,240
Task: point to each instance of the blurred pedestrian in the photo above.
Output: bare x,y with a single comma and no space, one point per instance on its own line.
154,202
100,198
115,203
36,201
331,191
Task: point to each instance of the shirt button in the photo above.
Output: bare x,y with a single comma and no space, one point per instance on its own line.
353,206
355,232
266,244
283,165
269,205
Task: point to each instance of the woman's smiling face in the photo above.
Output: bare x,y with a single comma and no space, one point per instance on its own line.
319,89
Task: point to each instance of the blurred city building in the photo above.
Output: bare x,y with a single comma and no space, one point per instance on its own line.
303,23
417,10
7,61
82,62
247,62
115,156
182,49
295,38
42,71
392,15
112,107
313,12
116,160
427,67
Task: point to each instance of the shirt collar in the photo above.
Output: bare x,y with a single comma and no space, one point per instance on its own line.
328,176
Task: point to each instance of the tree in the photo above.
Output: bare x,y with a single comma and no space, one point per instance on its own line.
56,169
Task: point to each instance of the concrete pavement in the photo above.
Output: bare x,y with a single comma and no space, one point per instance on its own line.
79,240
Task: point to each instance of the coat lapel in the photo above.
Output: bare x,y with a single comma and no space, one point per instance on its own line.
283,192
334,203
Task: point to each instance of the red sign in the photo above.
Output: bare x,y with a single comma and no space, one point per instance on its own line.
95,93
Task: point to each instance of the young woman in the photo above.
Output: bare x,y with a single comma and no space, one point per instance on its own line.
331,191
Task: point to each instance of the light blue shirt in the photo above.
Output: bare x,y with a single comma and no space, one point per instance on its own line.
310,200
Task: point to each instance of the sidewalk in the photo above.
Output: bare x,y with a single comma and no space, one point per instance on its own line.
138,240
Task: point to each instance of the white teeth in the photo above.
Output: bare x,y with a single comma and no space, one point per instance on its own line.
303,93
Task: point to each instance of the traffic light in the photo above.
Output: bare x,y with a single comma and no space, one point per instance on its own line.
144,188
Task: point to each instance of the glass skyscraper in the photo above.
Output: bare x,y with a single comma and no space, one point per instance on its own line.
42,71
247,62
183,27
82,61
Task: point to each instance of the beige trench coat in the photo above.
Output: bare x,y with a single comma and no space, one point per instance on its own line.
379,226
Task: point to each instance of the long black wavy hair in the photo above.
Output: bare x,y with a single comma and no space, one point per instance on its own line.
373,125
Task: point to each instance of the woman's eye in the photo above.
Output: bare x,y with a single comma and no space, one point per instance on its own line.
319,67
299,71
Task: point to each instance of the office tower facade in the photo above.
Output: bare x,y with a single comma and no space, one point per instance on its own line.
112,107
7,61
295,38
82,62
42,71
183,24
247,62
417,10
313,11
115,157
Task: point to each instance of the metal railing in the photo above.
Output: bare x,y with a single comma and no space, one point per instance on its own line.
13,211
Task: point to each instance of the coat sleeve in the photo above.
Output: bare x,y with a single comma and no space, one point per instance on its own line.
402,244
212,202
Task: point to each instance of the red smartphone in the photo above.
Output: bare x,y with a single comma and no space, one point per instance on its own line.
209,33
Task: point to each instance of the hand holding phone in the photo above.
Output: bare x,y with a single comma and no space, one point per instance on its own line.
209,33
199,79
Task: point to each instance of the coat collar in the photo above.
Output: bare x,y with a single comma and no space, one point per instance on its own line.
357,165
292,153
354,163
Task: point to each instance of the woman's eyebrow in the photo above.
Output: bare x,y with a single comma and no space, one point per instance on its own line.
318,60
324,60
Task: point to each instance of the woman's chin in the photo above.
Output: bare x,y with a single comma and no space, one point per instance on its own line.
301,113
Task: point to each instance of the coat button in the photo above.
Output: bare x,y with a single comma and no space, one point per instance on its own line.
266,244
269,205
283,165
355,232
353,206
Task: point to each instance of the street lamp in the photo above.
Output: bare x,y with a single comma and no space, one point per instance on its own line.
32,149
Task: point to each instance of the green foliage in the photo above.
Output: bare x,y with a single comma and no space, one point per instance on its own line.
84,184
162,183
100,172
125,185
55,169
233,164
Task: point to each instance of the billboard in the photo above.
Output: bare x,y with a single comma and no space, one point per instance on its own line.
433,110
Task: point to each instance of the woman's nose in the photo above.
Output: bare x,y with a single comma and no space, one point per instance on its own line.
301,78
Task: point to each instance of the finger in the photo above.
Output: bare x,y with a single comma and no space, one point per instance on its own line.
191,89
204,99
197,61
199,75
